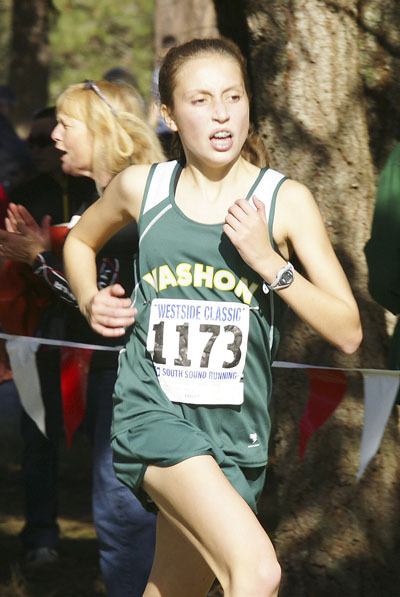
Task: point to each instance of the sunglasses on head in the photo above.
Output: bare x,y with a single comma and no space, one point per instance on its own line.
88,84
40,141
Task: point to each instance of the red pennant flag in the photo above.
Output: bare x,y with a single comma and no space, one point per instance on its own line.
326,390
75,364
5,369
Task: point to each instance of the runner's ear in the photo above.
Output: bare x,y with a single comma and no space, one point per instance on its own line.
165,113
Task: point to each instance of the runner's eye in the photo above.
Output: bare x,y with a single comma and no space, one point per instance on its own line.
234,97
199,100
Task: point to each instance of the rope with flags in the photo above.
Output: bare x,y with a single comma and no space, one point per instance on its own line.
327,387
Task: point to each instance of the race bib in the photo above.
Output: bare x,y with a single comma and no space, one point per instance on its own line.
199,349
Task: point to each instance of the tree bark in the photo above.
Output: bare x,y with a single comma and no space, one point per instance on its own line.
30,55
314,106
184,19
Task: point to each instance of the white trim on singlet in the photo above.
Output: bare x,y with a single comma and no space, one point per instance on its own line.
265,189
159,185
153,221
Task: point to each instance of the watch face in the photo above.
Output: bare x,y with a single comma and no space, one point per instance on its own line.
286,278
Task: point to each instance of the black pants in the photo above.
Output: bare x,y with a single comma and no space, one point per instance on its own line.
40,458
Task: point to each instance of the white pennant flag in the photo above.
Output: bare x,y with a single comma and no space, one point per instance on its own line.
22,356
380,392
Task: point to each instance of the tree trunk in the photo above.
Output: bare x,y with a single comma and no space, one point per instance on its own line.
29,61
308,59
184,19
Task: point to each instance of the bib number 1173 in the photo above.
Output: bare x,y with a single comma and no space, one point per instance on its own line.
211,332
199,349
198,334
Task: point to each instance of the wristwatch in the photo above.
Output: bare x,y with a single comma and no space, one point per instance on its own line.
283,279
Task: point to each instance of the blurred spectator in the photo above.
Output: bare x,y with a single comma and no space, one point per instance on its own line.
156,120
118,74
14,154
47,189
7,101
5,371
4,201
50,195
125,530
383,248
121,76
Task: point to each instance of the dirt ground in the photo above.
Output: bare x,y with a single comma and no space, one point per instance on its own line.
76,574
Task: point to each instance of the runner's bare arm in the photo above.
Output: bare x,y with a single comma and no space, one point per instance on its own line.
119,204
323,297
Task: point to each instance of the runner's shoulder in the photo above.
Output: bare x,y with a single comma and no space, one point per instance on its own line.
132,180
130,185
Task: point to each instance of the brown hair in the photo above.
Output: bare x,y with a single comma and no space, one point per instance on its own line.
253,149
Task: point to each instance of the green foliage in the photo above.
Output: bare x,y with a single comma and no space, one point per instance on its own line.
5,28
88,37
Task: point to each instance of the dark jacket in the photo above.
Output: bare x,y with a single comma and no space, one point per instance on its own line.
383,248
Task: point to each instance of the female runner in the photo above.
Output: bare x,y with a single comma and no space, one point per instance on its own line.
216,230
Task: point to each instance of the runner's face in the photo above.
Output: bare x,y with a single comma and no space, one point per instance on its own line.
73,138
211,110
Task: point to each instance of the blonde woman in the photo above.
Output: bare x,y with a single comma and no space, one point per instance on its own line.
101,130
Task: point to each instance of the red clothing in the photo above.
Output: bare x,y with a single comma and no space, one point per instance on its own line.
23,297
4,201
